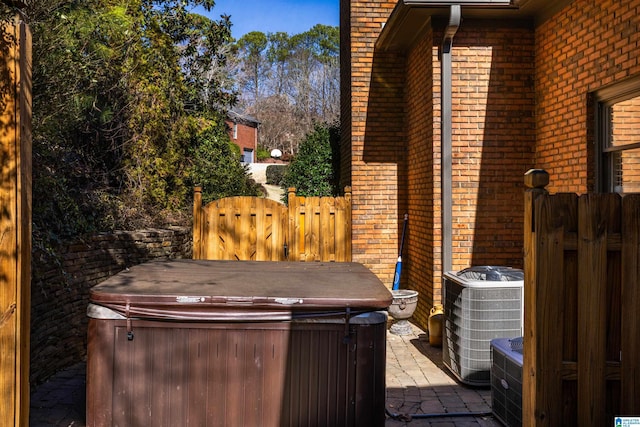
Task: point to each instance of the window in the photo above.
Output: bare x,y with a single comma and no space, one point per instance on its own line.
235,131
618,124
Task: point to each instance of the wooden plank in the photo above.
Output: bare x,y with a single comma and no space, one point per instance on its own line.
242,229
325,238
8,246
15,224
312,227
556,215
197,249
212,230
315,233
253,201
227,232
262,231
301,216
340,227
294,225
531,390
594,213
630,325
23,135
280,233
348,222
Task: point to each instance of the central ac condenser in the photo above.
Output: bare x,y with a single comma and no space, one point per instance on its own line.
480,304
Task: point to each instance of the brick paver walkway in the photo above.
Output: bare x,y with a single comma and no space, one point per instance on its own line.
419,385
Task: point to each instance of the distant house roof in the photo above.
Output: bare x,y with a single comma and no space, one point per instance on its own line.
242,118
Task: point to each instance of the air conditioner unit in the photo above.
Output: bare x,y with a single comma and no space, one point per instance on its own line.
506,380
480,304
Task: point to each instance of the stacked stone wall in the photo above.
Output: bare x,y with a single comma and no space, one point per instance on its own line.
62,277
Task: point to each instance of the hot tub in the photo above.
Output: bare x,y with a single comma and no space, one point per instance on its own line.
241,343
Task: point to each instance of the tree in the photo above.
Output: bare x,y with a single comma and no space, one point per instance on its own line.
314,170
255,69
212,169
122,89
278,55
298,77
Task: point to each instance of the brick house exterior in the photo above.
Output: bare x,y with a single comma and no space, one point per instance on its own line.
525,85
243,131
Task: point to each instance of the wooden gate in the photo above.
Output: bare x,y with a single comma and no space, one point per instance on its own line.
582,294
253,228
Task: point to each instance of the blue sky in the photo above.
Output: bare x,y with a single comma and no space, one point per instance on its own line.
270,16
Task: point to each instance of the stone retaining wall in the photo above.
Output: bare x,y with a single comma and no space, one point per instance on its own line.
60,289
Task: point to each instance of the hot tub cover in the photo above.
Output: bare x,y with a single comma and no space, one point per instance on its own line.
241,290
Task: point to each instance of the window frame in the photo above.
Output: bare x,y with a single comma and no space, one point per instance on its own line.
605,99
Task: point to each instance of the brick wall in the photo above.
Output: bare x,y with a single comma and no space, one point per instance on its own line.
395,146
493,140
520,100
373,135
492,148
247,136
423,243
60,289
588,45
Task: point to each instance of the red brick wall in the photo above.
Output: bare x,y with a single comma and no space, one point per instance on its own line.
422,254
520,100
372,132
394,136
492,148
247,137
493,141
588,45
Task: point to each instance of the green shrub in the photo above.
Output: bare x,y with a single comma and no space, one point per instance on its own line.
275,174
218,169
263,153
313,171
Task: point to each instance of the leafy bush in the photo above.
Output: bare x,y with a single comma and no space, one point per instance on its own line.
313,171
263,153
119,91
218,169
275,174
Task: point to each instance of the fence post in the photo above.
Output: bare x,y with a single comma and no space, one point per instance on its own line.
535,181
197,223
15,222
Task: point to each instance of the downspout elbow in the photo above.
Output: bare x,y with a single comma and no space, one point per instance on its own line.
455,16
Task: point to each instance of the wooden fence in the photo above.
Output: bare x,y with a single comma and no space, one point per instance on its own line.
15,222
582,295
252,228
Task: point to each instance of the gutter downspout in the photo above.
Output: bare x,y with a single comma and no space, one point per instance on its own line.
446,133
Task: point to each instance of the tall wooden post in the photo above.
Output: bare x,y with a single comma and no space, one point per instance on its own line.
15,223
535,181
